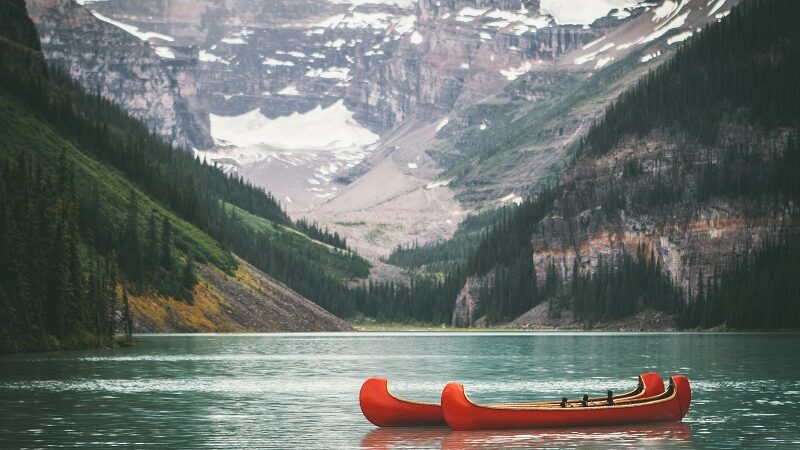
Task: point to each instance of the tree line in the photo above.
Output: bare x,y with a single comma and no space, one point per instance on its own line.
757,291
55,291
740,68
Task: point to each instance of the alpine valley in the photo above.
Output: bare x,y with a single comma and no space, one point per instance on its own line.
313,165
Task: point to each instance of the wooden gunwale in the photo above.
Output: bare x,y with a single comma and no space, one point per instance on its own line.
669,394
624,397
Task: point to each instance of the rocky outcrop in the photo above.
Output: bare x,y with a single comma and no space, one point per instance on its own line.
123,68
643,193
281,56
462,52
466,309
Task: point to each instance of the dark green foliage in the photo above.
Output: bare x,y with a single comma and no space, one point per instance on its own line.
133,262
747,64
506,249
428,299
438,254
165,250
631,169
758,291
313,231
658,192
314,271
745,171
509,237
52,295
15,25
127,319
612,199
622,287
454,251
188,278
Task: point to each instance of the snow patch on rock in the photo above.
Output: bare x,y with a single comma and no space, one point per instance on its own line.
289,90
650,56
512,73
143,35
320,128
442,123
210,57
276,62
233,41
582,12
164,52
716,6
437,184
680,37
338,73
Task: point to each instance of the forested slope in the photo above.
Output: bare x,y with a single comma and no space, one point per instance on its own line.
94,207
682,199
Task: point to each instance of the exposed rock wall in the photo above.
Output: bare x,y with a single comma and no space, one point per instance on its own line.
458,60
123,68
689,237
466,309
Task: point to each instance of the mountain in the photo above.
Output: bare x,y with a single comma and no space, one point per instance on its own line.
678,208
101,221
546,141
350,110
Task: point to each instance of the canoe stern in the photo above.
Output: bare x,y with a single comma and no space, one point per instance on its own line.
385,410
456,408
684,393
653,384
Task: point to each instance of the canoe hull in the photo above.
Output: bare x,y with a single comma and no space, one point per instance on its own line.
385,410
461,414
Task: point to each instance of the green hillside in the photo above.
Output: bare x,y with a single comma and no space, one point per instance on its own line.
89,193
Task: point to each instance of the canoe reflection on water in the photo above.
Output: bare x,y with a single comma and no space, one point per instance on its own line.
636,436
405,437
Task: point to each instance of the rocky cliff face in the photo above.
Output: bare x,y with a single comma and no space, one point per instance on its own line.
460,52
645,193
123,67
465,313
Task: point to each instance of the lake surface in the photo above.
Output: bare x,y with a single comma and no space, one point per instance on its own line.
301,390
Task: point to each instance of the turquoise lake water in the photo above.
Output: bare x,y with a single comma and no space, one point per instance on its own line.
301,390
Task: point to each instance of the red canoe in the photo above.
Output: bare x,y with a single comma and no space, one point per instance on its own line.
462,414
385,410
